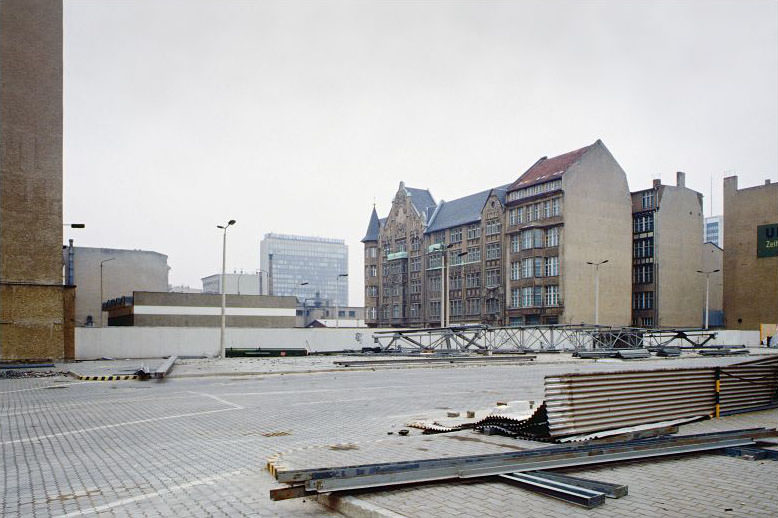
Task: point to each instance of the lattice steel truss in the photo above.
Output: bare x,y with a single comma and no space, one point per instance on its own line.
581,337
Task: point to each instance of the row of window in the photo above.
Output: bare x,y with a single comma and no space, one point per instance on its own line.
643,274
532,190
535,267
535,238
534,212
643,247
643,223
535,296
643,300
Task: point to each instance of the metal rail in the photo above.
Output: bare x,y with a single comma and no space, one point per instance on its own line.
309,481
582,337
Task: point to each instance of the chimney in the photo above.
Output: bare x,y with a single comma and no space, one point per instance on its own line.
657,182
767,182
680,179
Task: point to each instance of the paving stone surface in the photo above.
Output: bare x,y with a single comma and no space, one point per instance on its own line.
198,446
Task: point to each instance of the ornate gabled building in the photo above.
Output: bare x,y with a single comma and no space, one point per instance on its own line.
515,254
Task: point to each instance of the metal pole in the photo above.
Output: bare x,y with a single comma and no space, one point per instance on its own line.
443,288
224,293
101,287
597,295
707,299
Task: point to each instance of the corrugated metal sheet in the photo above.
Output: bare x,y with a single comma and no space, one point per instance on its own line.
590,402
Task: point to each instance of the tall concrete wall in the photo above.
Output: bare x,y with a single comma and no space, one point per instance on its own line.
597,212
750,282
31,291
128,271
680,290
155,342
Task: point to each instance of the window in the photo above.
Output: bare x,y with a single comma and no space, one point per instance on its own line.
435,308
473,306
526,297
552,237
415,287
371,252
535,211
371,291
537,295
492,306
643,300
473,232
415,310
647,200
492,278
415,244
373,270
538,266
493,227
493,251
643,274
526,268
537,238
555,207
643,247
415,264
455,282
385,311
516,216
372,313
473,280
516,297
547,209
551,266
515,271
434,260
439,237
648,321
515,243
643,223
454,257
552,295
434,284
456,235
455,306
473,254
526,240
399,245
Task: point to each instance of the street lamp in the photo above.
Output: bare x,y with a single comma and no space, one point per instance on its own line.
224,293
337,308
707,292
448,313
69,268
597,289
101,287
444,273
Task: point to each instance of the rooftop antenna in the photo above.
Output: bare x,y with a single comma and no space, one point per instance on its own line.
711,195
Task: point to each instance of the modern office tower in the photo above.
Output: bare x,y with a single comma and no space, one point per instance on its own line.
306,267
714,231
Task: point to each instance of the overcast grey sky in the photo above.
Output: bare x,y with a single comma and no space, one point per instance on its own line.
293,117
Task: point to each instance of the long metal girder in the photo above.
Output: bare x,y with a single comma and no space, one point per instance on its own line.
479,337
606,488
385,474
555,489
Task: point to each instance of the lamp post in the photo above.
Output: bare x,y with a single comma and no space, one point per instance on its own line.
224,293
448,314
597,289
443,249
101,287
707,292
337,304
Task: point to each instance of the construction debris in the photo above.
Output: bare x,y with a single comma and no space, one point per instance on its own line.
568,492
338,478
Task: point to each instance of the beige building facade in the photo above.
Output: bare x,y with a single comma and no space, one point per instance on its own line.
113,273
35,316
164,309
750,254
712,260
667,253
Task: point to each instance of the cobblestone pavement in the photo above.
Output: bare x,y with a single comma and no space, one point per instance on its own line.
198,446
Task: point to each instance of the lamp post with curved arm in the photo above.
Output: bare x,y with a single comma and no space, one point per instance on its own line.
224,293
597,289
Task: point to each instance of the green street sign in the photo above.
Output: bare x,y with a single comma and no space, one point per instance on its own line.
767,240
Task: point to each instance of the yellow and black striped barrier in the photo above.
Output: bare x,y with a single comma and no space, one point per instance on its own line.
115,377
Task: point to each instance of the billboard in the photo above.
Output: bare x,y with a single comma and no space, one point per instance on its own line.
767,240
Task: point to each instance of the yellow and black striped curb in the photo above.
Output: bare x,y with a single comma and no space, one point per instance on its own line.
116,377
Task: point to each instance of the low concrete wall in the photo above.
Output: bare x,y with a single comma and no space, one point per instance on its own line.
155,342
727,337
